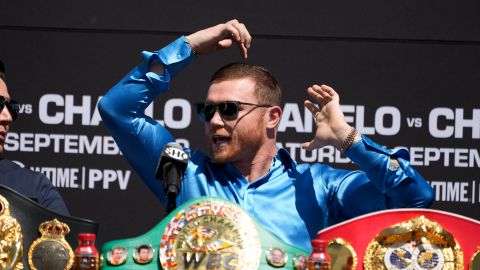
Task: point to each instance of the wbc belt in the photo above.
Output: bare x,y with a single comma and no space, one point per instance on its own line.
205,233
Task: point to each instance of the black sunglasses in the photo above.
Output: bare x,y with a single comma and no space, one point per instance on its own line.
12,106
228,109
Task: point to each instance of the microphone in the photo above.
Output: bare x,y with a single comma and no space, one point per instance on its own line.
171,168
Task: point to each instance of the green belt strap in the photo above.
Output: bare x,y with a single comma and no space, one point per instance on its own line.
205,233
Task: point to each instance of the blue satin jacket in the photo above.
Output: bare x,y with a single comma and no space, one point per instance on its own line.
293,201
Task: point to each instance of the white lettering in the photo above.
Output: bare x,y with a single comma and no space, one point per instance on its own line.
461,123
360,122
447,157
83,110
291,118
325,154
431,154
447,130
60,177
94,176
461,158
380,115
186,112
123,179
184,142
107,177
69,144
433,125
354,115
43,104
451,191
95,121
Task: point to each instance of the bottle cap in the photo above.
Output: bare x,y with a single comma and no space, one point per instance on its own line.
319,243
87,236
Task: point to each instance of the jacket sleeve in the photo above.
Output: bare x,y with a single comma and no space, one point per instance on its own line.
139,137
376,186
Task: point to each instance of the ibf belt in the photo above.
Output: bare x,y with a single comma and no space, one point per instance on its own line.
406,239
206,233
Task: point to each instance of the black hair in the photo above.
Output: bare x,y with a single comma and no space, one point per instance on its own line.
143,247
2,71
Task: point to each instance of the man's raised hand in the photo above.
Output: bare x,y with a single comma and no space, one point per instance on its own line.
221,36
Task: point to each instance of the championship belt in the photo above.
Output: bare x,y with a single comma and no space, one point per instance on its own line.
205,233
405,239
11,238
33,237
51,251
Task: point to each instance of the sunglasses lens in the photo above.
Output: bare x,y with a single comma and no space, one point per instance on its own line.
205,111
228,110
12,106
209,112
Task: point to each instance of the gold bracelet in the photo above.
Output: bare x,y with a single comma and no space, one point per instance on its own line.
345,145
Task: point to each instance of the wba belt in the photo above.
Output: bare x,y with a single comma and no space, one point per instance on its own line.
205,233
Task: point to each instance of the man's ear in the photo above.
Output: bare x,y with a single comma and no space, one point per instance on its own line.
274,114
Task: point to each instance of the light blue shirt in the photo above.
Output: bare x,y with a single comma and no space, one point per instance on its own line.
293,201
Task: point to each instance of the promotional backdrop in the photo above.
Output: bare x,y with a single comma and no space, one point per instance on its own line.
407,73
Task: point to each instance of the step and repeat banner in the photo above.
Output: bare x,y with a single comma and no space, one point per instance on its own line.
413,91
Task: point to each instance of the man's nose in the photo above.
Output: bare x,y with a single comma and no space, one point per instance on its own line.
5,115
216,119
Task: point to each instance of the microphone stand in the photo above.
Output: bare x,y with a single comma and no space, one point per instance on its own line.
172,189
171,202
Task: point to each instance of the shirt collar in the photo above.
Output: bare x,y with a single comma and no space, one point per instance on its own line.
284,156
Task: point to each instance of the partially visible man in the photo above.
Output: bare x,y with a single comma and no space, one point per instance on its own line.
117,256
277,257
143,254
32,184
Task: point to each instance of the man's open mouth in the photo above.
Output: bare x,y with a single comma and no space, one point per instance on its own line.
221,139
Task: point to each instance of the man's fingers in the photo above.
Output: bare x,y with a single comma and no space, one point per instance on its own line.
310,106
306,145
244,50
231,32
241,34
226,43
329,90
237,32
323,94
318,94
309,145
323,90
245,37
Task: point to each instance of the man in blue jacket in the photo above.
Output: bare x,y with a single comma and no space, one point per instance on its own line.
241,113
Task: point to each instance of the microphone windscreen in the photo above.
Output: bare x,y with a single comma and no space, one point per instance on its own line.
172,155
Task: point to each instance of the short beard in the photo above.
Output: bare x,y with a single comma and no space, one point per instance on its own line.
244,145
